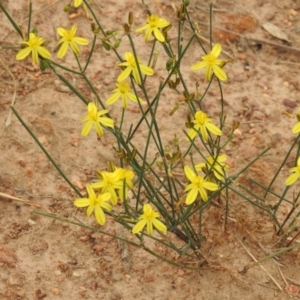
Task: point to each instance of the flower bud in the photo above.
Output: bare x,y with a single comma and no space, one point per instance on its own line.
130,18
117,43
67,8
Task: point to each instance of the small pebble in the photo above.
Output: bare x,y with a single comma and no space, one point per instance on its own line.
252,130
237,132
76,274
57,272
55,291
31,222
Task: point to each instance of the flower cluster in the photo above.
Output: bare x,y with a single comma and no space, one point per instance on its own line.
132,65
197,187
35,45
111,187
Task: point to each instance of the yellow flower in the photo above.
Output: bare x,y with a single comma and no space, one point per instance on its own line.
131,67
94,118
203,124
197,186
212,64
110,182
218,166
149,218
33,46
68,38
296,174
122,91
77,2
154,23
126,177
95,203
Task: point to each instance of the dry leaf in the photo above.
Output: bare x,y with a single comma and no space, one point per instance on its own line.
275,31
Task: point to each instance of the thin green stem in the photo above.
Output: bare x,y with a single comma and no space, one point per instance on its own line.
29,18
210,25
162,87
11,20
78,62
90,54
65,68
279,169
69,85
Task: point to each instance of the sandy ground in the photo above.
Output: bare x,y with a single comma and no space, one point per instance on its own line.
45,259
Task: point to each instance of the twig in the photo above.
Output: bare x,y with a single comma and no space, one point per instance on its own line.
293,281
3,195
280,272
262,267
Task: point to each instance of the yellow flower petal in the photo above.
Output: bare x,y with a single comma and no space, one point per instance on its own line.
146,70
191,197
189,173
138,227
113,98
296,128
100,216
219,72
82,202
124,75
213,129
149,228
160,226
198,66
292,179
23,53
216,50
80,41
62,50
77,2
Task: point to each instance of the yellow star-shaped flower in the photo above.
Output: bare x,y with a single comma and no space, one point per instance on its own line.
126,177
95,203
212,64
94,118
203,124
154,23
67,39
122,91
33,46
131,67
149,218
198,186
109,183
